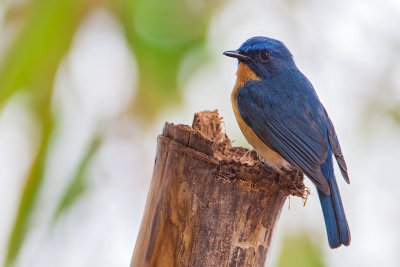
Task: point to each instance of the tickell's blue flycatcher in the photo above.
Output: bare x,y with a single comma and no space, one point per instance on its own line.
281,116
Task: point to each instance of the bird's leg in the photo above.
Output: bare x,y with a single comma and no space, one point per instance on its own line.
258,156
248,152
284,169
247,157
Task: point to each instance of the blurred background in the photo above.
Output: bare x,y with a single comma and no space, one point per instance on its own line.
86,86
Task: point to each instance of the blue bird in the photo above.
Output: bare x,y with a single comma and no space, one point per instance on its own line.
281,116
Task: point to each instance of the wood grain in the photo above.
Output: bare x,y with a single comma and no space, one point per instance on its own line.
205,207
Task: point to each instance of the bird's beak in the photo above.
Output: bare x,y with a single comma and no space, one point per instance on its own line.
236,54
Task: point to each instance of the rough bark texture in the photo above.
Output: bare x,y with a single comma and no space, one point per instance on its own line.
209,204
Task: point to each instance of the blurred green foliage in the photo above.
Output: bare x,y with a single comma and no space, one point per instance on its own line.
29,193
160,34
44,38
30,64
299,251
78,183
394,112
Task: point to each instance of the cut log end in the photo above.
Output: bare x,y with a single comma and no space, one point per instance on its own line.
209,204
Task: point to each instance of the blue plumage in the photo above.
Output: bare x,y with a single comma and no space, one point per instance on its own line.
335,219
284,112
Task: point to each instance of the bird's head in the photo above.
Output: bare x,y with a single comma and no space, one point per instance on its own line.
264,56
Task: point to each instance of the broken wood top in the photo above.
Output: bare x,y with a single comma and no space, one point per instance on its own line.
206,136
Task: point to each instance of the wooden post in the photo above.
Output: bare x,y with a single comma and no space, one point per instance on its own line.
208,204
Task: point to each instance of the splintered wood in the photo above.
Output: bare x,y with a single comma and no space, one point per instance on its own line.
209,204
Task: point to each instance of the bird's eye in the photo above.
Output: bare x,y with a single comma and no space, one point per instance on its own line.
265,56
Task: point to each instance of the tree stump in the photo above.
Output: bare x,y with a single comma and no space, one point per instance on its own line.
209,203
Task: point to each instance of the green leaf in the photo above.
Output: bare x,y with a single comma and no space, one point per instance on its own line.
30,192
78,184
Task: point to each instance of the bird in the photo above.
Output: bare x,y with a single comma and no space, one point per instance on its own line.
281,116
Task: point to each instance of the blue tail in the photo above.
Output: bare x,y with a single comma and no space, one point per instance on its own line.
332,208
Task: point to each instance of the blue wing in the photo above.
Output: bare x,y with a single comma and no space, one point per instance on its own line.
337,151
284,124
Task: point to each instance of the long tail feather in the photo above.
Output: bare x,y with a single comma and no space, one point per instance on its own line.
335,219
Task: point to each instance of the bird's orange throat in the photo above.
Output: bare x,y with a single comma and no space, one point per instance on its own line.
243,75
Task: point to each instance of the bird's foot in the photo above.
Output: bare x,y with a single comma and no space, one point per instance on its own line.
250,157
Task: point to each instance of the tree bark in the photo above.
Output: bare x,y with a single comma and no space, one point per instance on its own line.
209,203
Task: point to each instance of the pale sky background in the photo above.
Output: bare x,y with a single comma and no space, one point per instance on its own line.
343,47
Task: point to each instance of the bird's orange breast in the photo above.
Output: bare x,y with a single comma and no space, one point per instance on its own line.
245,74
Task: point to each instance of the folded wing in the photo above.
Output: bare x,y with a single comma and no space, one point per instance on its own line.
294,135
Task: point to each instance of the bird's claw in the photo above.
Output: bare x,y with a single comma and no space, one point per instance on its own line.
250,157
